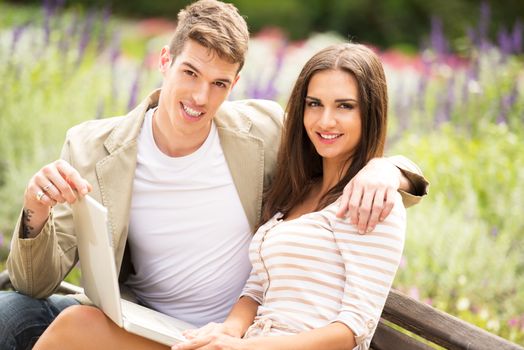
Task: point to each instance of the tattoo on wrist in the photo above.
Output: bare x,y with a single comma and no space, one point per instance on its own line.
27,229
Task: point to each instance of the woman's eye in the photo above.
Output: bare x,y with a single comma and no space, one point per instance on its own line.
312,104
347,106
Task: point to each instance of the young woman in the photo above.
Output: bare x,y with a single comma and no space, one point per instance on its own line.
313,285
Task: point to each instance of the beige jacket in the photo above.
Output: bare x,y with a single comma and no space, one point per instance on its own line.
104,152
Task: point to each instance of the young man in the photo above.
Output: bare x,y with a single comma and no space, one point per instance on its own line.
182,176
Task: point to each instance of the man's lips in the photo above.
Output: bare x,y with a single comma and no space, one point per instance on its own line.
191,112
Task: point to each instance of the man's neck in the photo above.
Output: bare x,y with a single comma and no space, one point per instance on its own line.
174,143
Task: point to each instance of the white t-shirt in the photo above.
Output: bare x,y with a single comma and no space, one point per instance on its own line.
189,235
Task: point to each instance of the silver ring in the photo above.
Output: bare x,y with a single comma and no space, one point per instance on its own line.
39,195
46,187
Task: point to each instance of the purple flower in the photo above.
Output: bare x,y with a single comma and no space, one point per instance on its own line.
483,27
269,90
517,37
421,92
513,322
507,102
133,95
446,101
102,36
505,42
86,36
438,39
114,54
17,34
472,36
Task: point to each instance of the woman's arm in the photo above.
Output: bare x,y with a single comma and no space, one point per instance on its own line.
241,316
334,336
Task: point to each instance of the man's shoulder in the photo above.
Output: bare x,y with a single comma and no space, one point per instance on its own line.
254,107
245,115
95,126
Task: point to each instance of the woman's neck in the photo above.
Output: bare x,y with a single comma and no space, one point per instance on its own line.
332,172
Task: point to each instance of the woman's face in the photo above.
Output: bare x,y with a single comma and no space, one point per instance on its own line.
332,114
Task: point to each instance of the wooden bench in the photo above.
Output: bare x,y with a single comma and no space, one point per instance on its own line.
427,323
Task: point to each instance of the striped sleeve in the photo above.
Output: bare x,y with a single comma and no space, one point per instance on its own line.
254,287
370,261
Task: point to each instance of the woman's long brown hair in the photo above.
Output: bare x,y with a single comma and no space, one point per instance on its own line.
299,165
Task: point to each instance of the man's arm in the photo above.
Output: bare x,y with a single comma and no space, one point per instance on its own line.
368,197
41,253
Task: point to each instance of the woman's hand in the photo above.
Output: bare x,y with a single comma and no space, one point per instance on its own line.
212,341
209,329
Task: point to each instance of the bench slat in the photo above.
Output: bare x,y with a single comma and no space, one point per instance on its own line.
4,280
387,338
440,327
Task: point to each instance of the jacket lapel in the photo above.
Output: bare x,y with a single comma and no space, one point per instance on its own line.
239,148
115,173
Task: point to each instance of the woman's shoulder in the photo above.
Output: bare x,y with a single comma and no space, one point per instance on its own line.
395,221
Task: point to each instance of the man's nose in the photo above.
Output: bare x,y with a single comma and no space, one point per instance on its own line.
201,94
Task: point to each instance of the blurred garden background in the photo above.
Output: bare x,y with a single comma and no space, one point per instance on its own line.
455,73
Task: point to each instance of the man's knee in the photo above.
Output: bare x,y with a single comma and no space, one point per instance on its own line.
23,319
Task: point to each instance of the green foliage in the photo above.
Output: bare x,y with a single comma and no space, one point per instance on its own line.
464,251
54,83
384,23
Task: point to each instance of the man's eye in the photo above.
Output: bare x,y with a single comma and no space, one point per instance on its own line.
220,84
190,73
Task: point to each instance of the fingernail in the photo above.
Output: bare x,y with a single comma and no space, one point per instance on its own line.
369,229
361,231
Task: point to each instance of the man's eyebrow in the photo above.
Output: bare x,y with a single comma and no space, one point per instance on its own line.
223,80
191,66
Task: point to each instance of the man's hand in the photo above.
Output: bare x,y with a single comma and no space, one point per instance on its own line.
369,197
54,183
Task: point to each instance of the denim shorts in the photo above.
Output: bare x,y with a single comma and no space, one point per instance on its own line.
23,319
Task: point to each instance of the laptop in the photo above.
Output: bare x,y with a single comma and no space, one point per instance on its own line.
99,278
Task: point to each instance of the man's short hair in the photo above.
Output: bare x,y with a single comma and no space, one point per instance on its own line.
215,25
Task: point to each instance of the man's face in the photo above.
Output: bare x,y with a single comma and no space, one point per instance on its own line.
195,85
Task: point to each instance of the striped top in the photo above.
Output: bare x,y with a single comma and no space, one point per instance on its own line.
317,269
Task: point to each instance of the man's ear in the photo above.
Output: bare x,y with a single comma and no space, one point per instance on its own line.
234,82
165,60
